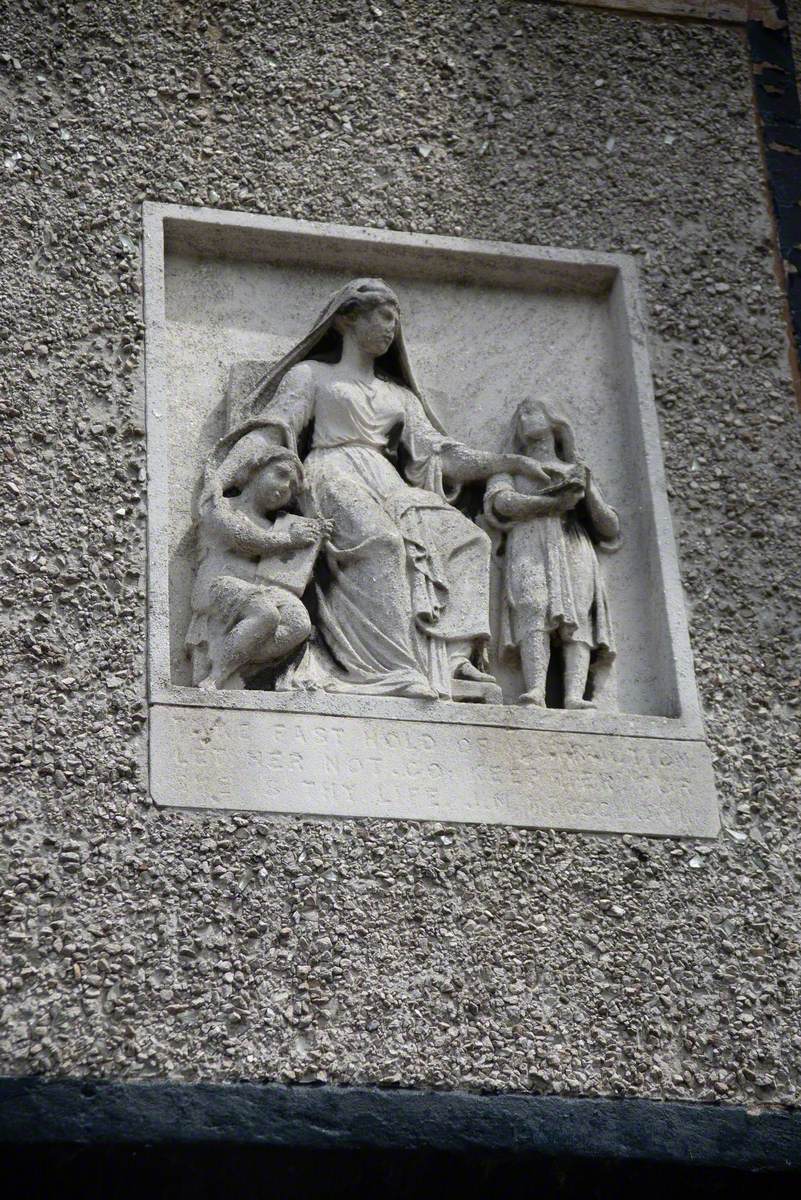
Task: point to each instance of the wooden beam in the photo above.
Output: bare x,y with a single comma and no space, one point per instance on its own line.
736,11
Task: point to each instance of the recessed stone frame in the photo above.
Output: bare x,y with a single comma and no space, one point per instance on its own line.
221,287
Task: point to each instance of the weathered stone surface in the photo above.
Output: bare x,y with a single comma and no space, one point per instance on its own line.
419,770
141,941
529,320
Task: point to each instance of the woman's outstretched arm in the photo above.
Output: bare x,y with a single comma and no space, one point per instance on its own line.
462,464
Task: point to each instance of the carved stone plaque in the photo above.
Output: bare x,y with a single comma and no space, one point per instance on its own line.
410,551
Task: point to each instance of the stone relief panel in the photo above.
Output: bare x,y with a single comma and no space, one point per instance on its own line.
429,523
372,533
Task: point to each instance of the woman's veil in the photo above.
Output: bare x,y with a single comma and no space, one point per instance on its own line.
323,343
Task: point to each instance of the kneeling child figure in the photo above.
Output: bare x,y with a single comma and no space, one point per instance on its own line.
246,607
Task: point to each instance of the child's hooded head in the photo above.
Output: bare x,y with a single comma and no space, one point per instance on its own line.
270,476
276,479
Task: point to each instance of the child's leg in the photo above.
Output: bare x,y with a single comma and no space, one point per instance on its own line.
535,654
602,675
201,665
250,640
577,665
294,626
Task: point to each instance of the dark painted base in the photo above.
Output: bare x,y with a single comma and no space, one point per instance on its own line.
777,102
66,1137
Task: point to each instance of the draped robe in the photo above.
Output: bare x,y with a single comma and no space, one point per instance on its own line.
407,572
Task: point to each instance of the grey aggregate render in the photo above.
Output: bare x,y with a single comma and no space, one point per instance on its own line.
142,943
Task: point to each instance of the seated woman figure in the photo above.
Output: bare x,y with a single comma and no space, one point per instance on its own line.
402,607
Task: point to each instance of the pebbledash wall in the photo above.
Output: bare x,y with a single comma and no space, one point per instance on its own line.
145,943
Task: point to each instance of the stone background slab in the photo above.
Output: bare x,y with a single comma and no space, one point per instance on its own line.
147,944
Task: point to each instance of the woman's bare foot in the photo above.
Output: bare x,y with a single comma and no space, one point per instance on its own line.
419,691
533,697
578,705
464,669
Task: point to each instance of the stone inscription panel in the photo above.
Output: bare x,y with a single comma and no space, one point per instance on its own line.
363,767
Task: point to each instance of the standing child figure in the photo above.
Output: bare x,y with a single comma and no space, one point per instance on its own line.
254,562
552,587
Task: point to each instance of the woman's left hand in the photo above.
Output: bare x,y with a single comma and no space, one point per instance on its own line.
531,469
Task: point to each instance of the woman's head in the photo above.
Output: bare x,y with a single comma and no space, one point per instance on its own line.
369,314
